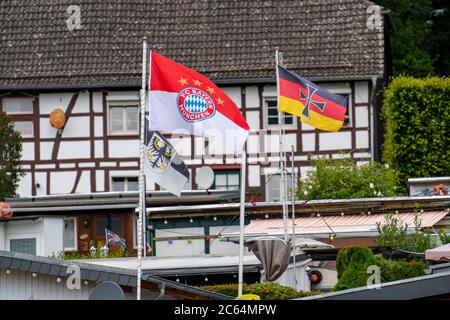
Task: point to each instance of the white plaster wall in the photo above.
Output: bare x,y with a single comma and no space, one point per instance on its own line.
62,182
362,92
97,101
27,151
234,93
45,128
335,140
53,236
50,101
41,178
252,118
82,103
362,139
254,176
98,126
74,150
46,149
251,97
77,127
308,141
98,149
361,117
100,180
24,188
84,185
123,148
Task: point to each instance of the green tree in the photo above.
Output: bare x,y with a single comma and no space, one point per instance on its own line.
342,179
10,153
420,45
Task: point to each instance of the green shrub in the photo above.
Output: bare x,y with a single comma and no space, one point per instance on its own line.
265,290
342,179
353,254
352,264
392,270
417,139
393,234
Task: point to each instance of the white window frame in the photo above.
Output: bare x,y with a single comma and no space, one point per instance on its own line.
271,97
125,182
24,236
75,234
19,112
32,128
122,103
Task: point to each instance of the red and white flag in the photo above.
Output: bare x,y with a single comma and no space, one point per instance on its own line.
184,101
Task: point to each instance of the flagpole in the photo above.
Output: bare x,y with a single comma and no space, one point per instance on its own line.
242,222
293,214
141,170
282,182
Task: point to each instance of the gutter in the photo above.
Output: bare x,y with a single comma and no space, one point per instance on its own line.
135,85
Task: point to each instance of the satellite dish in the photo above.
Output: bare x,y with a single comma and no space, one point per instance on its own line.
108,290
205,177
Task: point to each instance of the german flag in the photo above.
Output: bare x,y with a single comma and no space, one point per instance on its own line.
313,105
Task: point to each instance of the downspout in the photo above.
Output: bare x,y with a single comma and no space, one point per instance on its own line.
162,291
375,113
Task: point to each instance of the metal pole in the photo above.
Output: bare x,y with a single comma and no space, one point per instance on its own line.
282,182
242,222
141,170
293,214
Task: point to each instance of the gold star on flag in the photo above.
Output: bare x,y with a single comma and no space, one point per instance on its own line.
197,83
210,90
220,101
183,81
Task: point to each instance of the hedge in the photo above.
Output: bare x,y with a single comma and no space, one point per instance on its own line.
352,263
265,290
417,119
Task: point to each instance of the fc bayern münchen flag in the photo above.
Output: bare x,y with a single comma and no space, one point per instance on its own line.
314,105
163,165
184,101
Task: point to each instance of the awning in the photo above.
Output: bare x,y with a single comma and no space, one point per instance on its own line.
337,224
441,253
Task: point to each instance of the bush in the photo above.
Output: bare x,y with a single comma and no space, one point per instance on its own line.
393,234
352,263
393,270
265,290
416,114
342,179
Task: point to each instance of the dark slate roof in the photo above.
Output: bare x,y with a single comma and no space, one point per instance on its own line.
91,272
224,39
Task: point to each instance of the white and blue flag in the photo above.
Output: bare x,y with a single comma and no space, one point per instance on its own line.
163,165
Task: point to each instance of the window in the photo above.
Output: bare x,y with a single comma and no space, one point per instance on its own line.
18,105
125,184
123,119
227,180
272,114
70,235
112,223
273,187
348,113
27,246
25,128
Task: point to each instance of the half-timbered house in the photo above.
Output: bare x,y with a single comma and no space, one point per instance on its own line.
84,57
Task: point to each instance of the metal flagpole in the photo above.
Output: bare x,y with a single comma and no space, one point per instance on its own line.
293,214
282,182
242,222
141,170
